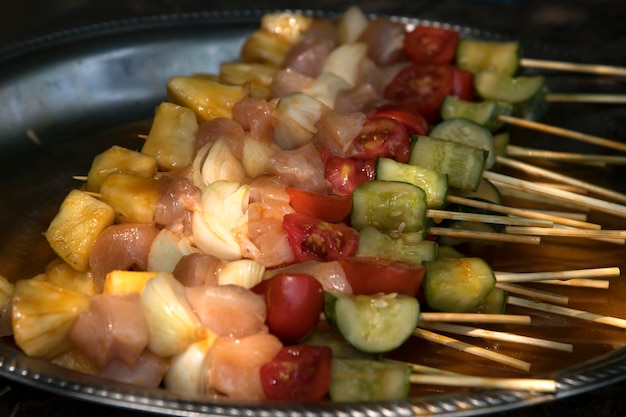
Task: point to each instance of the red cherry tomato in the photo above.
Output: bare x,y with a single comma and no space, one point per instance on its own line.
294,304
330,208
413,122
345,174
368,275
463,85
314,239
431,45
421,89
381,137
298,373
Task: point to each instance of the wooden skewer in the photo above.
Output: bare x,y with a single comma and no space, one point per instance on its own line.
568,312
495,335
573,67
570,134
545,173
591,202
519,151
517,192
568,274
474,350
562,232
423,369
488,218
474,318
521,384
584,283
491,236
533,293
567,214
522,212
586,98
80,177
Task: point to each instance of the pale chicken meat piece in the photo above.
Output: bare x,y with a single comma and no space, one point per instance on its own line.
121,246
302,167
228,310
254,116
234,364
113,327
148,371
198,269
336,130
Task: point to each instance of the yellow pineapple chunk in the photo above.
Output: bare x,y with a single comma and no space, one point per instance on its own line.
76,361
62,275
119,159
259,76
172,136
208,99
6,290
133,198
124,282
288,25
42,316
265,47
74,229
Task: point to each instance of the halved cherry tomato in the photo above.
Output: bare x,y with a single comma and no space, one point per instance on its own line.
463,85
381,137
298,373
328,207
369,275
345,174
431,45
294,304
421,89
414,123
314,239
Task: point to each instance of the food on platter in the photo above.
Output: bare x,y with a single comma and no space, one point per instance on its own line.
290,223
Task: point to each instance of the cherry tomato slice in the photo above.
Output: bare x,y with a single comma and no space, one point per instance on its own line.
314,239
463,85
294,304
368,275
327,207
345,174
298,373
421,89
431,45
413,122
381,137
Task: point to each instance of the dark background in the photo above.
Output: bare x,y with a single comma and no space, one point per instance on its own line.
593,31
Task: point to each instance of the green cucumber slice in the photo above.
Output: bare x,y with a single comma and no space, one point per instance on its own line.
373,323
463,164
434,183
368,380
469,133
405,247
526,93
389,206
486,113
457,285
478,55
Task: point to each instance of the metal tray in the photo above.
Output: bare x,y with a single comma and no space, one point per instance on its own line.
57,90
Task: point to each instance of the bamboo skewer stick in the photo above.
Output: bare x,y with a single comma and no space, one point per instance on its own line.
423,369
545,173
562,232
591,202
518,151
474,350
521,384
474,318
487,218
571,134
582,217
573,67
495,335
586,98
477,235
521,212
568,312
568,274
585,283
509,190
533,293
